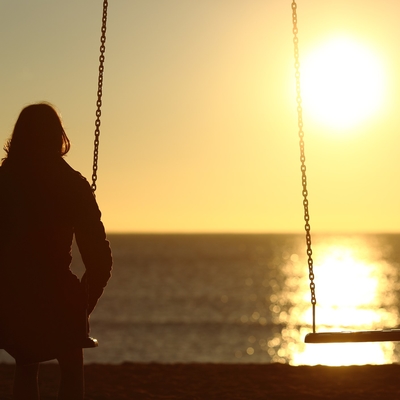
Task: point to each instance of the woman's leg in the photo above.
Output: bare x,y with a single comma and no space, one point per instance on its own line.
72,382
26,382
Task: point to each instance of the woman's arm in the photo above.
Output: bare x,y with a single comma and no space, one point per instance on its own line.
93,245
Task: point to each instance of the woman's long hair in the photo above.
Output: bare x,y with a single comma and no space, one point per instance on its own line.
38,133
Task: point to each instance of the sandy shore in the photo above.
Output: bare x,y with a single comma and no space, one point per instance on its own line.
219,381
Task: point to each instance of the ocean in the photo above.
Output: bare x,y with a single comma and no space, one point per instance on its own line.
243,298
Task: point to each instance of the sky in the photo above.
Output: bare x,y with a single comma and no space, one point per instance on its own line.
199,124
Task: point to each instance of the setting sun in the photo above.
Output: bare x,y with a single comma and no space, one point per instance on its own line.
343,83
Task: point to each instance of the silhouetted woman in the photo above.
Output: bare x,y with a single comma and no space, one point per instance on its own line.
43,204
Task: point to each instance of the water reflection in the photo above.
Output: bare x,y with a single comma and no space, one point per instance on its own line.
355,290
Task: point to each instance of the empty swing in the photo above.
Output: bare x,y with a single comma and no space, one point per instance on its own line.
323,337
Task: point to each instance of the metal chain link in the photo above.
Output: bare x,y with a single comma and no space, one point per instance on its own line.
99,95
97,134
303,159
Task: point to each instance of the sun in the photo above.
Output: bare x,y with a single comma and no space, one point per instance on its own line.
343,83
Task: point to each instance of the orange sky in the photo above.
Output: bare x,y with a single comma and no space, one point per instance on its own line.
199,121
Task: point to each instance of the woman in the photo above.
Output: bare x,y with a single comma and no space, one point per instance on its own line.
43,204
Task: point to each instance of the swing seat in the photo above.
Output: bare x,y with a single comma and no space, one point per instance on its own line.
90,343
385,335
87,343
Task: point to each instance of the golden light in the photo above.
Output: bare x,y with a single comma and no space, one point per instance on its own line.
355,290
347,289
340,354
343,83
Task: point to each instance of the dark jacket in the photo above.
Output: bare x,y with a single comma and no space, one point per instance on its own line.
43,204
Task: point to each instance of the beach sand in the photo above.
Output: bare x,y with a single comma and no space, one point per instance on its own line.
222,381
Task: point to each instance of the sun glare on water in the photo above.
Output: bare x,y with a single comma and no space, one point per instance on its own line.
350,298
343,83
355,291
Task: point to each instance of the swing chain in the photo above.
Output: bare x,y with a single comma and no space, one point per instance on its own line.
303,159
99,95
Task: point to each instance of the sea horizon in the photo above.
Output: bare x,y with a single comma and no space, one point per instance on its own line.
244,298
